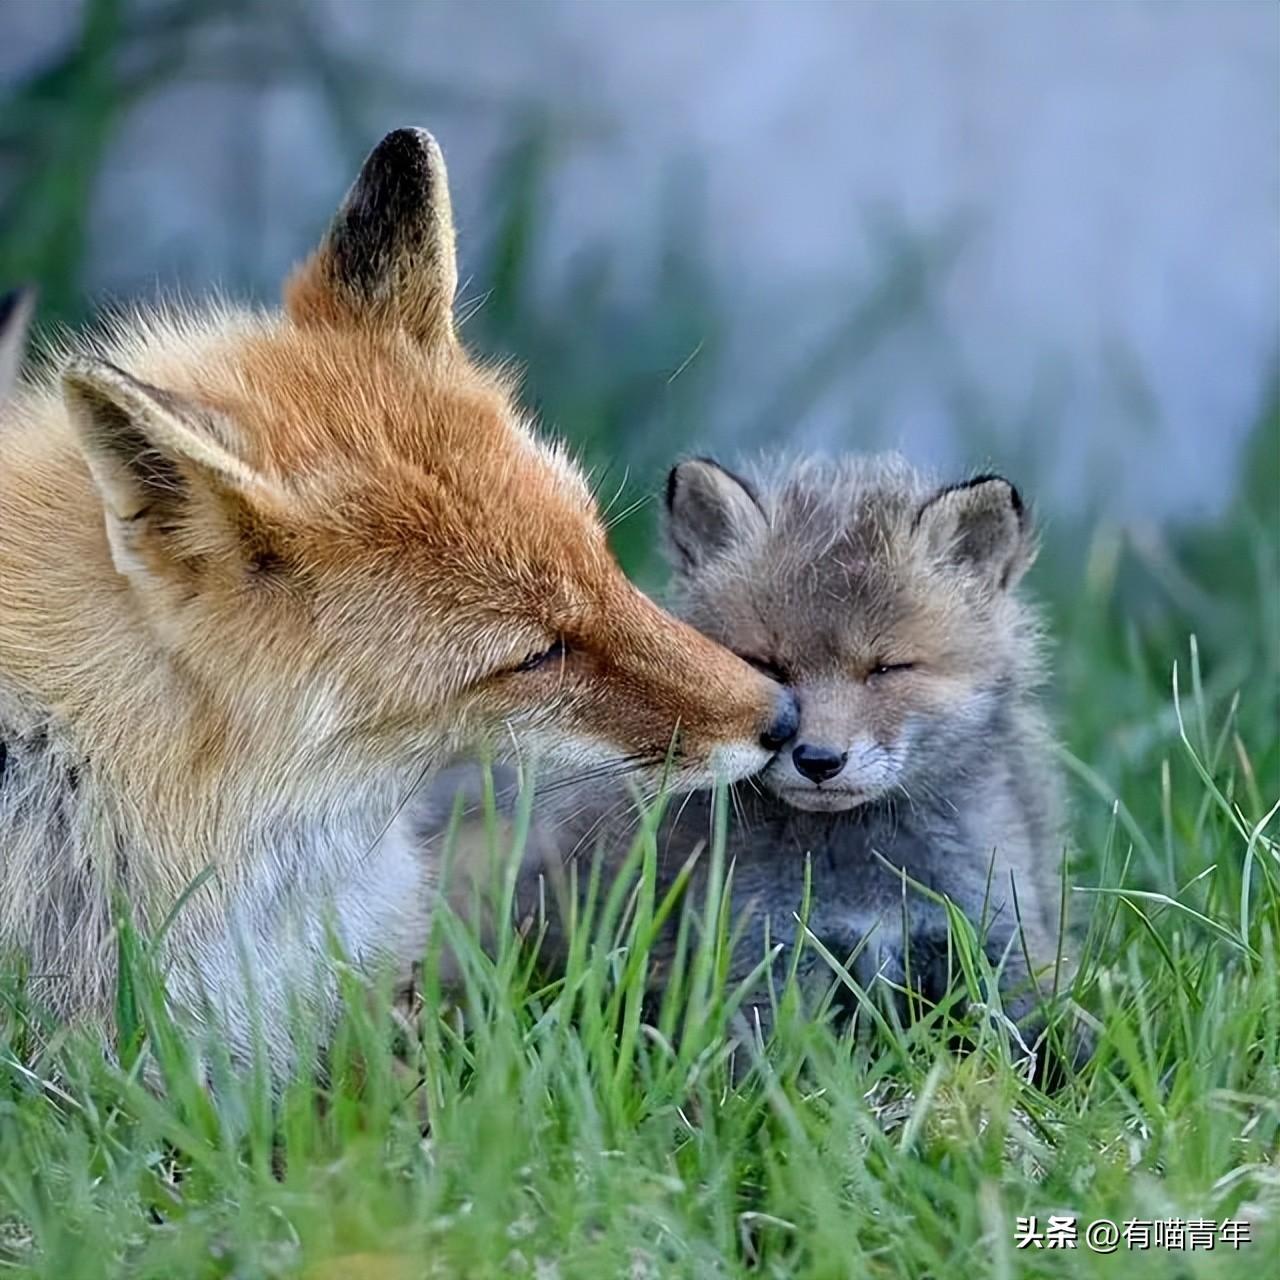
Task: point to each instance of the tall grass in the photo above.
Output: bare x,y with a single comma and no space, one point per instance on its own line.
568,1125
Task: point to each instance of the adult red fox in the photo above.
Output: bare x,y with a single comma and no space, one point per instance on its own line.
260,574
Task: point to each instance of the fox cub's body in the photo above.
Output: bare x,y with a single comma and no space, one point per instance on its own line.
889,605
262,572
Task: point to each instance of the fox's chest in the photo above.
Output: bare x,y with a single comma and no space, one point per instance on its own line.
313,897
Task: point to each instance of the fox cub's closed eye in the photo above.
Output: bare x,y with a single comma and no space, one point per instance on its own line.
889,669
542,658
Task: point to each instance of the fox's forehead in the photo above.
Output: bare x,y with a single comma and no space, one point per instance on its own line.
403,460
840,602
371,413
307,398
836,576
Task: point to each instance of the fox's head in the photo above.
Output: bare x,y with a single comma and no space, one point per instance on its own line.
887,603
345,533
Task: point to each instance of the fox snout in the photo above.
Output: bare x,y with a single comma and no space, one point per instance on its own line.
818,763
786,719
716,715
835,761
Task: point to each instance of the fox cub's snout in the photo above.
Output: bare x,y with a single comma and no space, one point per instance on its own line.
891,617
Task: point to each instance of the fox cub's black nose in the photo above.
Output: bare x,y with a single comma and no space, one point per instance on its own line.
818,763
786,720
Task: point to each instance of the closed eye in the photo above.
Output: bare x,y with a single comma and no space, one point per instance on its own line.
890,668
543,657
774,670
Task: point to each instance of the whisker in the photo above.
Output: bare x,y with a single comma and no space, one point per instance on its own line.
688,360
617,493
628,511
619,768
398,810
624,800
684,804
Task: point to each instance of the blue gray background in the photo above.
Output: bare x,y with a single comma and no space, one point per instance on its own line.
1040,236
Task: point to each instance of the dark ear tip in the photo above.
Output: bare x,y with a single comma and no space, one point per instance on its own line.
988,477
403,148
1018,506
401,174
673,476
673,482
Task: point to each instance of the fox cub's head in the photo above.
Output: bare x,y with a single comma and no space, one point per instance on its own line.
886,604
347,536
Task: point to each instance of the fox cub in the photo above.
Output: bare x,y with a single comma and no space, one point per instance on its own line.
262,573
890,605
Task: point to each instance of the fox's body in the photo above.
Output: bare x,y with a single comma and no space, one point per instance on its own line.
260,574
889,605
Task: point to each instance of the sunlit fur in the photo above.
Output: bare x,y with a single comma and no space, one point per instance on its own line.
831,572
260,573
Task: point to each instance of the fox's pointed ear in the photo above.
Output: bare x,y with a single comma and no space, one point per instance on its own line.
157,461
15,316
709,510
982,525
388,259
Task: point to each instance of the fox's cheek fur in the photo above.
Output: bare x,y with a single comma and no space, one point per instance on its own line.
566,710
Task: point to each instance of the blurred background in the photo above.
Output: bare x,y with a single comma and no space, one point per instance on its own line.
1039,238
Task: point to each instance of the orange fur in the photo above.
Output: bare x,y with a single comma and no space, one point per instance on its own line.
262,572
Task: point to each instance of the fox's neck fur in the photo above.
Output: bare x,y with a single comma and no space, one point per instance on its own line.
125,778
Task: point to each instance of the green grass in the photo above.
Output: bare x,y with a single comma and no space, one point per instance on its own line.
574,1132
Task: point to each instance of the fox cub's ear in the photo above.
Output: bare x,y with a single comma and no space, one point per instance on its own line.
159,463
15,315
982,525
388,260
709,510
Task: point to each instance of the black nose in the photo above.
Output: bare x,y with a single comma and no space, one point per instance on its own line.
818,763
786,720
